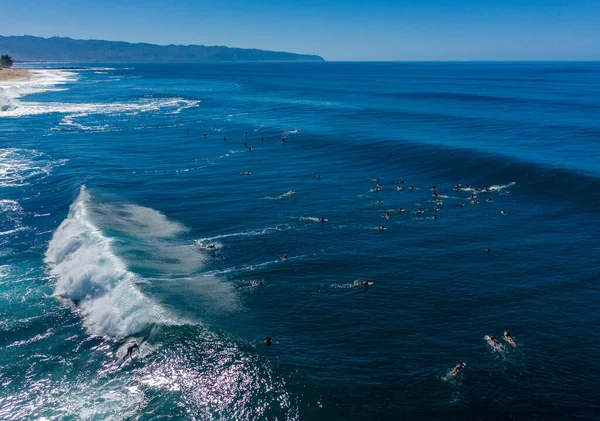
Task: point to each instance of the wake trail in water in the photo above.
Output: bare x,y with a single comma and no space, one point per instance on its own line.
251,233
91,275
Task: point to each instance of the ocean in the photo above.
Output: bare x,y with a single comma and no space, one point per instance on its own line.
197,209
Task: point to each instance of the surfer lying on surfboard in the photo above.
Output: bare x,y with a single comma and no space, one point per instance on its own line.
456,370
508,338
494,343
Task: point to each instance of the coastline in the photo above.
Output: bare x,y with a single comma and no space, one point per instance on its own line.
12,74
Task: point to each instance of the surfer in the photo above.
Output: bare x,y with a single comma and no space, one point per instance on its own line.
358,283
130,350
456,370
508,338
495,343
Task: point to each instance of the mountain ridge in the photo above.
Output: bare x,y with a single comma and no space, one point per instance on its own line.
32,48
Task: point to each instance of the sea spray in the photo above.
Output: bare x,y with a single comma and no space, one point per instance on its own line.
89,273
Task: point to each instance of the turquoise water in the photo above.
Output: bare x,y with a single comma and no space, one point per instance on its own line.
127,216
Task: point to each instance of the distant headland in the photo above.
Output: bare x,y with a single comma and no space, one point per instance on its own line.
30,48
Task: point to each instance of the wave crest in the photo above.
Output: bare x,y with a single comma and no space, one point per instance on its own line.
89,273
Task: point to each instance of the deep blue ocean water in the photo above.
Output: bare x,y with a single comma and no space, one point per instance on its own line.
126,217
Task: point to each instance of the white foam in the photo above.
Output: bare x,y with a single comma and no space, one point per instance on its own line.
90,274
251,233
41,81
17,166
311,219
497,188
281,196
47,80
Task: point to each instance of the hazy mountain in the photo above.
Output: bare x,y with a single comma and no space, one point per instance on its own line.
68,49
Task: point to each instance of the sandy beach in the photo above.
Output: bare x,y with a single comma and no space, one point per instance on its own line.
9,74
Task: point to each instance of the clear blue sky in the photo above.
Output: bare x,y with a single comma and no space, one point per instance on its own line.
336,30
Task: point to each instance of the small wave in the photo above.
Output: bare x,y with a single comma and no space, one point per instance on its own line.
18,166
88,273
42,81
251,233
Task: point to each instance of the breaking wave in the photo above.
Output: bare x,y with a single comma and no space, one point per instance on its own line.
93,277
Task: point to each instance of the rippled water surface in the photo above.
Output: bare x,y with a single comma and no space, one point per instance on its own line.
197,209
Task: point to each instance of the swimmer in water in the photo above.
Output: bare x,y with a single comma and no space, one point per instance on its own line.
246,134
503,212
461,205
488,250
398,188
508,338
323,219
379,228
268,341
262,139
245,143
317,176
473,202
489,200
401,182
292,191
188,131
130,350
225,139
435,217
250,149
400,210
420,212
456,370
283,140
387,215
285,257
379,202
257,283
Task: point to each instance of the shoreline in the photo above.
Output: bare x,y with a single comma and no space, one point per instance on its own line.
13,74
